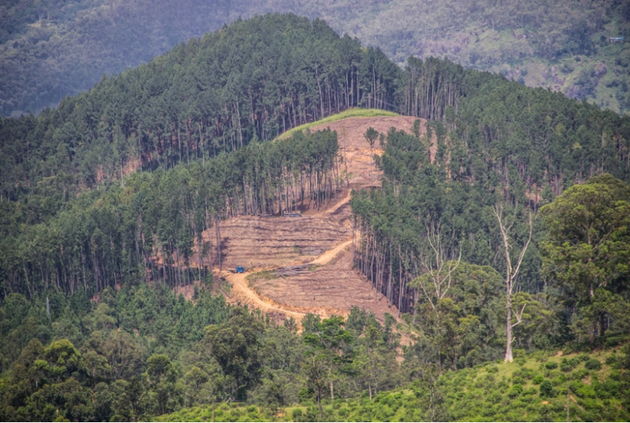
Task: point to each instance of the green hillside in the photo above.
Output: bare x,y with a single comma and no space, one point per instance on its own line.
499,235
51,49
534,388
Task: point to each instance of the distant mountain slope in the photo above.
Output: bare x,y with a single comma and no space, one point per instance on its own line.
51,49
562,45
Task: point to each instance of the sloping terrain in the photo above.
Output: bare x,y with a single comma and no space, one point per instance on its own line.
319,243
538,393
51,49
255,242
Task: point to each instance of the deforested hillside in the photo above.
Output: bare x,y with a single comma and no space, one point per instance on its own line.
250,82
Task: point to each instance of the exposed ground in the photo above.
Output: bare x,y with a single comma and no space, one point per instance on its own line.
321,238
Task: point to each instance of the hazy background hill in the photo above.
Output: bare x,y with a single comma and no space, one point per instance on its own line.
53,48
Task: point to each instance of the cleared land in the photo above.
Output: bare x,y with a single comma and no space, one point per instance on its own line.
320,242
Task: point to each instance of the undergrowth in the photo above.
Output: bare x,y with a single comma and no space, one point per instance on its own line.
532,388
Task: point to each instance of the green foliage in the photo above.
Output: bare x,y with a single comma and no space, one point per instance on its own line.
86,141
587,252
567,365
551,365
546,389
51,49
115,233
593,364
235,346
370,136
464,395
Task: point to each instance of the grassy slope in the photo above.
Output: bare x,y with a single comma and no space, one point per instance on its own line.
483,393
355,112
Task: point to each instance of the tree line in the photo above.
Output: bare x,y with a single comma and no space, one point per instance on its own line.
252,80
139,352
472,266
149,227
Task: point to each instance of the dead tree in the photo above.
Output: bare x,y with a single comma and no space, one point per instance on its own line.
438,268
511,271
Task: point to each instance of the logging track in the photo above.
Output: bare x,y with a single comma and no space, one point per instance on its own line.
327,284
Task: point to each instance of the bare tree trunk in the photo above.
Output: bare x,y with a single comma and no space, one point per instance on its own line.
511,271
218,243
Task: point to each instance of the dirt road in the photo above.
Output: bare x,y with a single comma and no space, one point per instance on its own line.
246,295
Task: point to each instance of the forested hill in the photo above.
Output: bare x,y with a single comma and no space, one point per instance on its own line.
52,48
106,204
252,80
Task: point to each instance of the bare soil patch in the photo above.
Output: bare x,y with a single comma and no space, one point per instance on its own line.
335,285
322,238
356,151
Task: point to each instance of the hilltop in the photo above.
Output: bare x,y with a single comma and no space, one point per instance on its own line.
52,49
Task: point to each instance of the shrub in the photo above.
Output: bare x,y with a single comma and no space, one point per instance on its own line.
614,341
517,380
492,369
546,389
551,365
568,364
528,374
529,391
559,380
582,358
540,356
515,391
586,391
495,398
593,364
612,359
580,374
609,389
489,379
538,379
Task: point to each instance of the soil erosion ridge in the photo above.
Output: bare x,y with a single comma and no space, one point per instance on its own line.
314,250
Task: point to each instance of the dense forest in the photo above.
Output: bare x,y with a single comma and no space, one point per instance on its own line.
207,96
50,49
501,233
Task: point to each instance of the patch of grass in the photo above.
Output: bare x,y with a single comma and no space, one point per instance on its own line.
263,274
355,112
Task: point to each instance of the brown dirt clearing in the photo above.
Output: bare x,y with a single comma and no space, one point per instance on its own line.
321,237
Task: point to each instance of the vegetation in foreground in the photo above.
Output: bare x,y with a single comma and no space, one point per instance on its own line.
533,388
